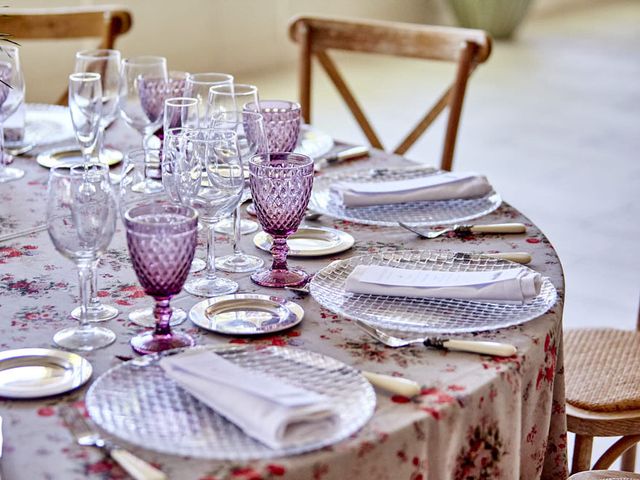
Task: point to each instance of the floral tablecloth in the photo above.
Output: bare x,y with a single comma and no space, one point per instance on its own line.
477,417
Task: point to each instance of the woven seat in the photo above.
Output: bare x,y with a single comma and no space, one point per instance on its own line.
603,370
604,475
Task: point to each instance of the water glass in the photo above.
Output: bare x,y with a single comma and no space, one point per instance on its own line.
197,86
281,122
180,112
162,239
11,97
281,187
85,106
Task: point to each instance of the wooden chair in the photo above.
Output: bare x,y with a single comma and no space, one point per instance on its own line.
603,394
317,35
103,22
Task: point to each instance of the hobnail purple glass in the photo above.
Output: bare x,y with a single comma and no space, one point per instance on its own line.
281,123
162,241
281,187
154,91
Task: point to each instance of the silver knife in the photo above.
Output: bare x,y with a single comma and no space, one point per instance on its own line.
87,436
341,156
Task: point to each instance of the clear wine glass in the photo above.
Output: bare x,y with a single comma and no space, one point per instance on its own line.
139,167
233,98
197,86
281,187
81,217
162,240
85,106
209,177
281,123
249,129
180,112
11,97
107,63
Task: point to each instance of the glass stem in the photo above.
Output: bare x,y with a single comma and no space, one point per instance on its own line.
162,312
211,255
3,163
94,301
84,277
100,146
279,250
237,231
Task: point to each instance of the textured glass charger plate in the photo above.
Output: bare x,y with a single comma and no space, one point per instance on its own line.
246,314
425,315
137,403
310,242
47,124
313,143
69,156
423,213
41,372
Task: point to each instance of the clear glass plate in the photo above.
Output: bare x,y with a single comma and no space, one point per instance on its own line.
313,142
47,124
425,315
442,212
137,403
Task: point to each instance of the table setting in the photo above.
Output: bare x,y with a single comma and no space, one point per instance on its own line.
259,300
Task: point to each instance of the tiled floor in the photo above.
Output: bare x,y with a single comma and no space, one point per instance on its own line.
553,119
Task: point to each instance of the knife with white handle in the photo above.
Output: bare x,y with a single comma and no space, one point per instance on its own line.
517,257
499,228
397,385
341,156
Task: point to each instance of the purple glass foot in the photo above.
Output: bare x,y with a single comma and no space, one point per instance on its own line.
149,342
293,277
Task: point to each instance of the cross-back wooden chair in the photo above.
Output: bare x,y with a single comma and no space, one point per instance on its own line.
104,22
317,35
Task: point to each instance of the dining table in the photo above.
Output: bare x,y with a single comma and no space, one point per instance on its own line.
476,416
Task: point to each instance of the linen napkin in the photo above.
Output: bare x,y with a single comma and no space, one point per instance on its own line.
514,285
445,186
271,411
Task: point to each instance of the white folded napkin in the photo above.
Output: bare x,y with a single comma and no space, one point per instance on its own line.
265,408
445,186
515,285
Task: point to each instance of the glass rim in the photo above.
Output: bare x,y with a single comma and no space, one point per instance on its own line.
98,53
258,159
101,166
192,78
180,101
144,60
250,113
227,132
192,214
245,88
84,76
137,151
293,106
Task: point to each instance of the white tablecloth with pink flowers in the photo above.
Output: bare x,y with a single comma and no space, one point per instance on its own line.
477,417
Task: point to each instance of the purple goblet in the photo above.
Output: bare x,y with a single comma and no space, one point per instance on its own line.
281,187
154,91
162,241
281,123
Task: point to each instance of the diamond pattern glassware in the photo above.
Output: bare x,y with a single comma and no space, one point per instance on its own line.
162,240
154,91
281,122
281,187
11,97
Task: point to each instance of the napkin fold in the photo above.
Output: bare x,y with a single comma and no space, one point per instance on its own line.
514,285
265,408
445,186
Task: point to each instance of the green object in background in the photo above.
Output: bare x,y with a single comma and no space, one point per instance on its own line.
498,17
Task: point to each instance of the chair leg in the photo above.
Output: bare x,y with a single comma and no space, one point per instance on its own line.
628,462
581,453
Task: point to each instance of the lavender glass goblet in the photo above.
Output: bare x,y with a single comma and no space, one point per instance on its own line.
154,92
281,123
281,187
162,241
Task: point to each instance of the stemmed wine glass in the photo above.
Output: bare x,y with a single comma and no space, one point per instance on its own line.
281,187
139,167
11,97
162,241
209,177
180,112
81,217
155,91
233,98
106,63
249,129
197,86
85,106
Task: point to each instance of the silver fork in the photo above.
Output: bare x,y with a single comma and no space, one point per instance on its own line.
467,229
87,436
471,346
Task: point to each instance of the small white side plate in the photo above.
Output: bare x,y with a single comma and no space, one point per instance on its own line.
67,156
246,314
310,242
41,372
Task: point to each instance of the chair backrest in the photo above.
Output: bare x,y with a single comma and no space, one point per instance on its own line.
466,47
104,22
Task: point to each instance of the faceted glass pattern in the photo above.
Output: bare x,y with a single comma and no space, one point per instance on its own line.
281,123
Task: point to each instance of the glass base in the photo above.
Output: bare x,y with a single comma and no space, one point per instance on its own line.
197,265
145,318
226,226
204,287
147,342
149,185
239,263
100,313
84,339
9,174
293,277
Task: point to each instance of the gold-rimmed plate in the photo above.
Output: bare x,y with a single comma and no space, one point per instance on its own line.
70,156
310,242
41,372
246,314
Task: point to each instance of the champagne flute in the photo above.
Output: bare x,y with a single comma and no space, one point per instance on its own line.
85,106
197,86
81,216
11,97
